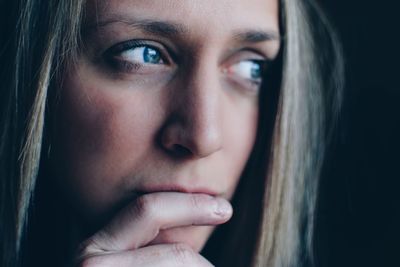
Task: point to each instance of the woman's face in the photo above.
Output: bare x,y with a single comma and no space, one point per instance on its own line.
164,97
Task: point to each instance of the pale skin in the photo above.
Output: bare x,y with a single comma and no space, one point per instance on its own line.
159,116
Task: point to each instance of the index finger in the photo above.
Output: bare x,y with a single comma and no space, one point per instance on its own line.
140,222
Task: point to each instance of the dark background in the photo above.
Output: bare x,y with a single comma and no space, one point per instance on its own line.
360,208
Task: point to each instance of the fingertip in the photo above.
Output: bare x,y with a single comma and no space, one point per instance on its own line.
223,208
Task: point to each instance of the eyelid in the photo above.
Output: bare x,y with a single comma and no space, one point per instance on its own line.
246,54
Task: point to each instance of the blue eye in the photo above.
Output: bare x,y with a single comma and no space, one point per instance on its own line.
142,55
248,69
135,56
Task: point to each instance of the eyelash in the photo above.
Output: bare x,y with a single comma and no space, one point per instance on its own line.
113,58
120,65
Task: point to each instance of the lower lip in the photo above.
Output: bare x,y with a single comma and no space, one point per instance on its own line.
139,193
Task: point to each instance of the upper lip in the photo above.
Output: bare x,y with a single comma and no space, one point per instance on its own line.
176,188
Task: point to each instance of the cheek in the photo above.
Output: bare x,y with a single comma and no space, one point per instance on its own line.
97,129
240,127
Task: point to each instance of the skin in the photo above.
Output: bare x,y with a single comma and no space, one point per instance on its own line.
150,153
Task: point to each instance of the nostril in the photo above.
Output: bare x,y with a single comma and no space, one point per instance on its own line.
180,151
189,137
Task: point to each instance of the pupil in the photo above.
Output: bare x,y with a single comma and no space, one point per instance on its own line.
256,71
151,55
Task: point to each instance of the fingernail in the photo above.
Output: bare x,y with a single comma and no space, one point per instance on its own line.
223,208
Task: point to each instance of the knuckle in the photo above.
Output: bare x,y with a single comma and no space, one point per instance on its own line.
183,254
95,245
197,201
86,249
90,249
86,255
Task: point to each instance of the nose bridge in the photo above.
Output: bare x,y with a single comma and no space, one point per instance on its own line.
202,108
194,126
203,103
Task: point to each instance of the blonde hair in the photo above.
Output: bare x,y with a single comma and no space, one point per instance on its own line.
46,39
40,42
299,137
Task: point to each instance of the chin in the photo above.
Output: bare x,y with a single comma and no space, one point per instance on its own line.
194,236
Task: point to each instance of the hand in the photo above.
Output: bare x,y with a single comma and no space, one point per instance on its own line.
126,241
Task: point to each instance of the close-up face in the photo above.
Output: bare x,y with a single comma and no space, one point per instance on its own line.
163,97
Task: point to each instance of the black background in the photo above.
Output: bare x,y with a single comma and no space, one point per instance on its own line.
360,209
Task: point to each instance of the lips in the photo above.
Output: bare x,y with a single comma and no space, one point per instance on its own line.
176,188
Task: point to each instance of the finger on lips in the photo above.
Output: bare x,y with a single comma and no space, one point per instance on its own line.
141,221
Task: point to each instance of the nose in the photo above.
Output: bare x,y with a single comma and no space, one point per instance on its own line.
193,128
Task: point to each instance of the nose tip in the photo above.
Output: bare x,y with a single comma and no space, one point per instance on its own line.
191,139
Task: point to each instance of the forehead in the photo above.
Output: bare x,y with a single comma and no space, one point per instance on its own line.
196,15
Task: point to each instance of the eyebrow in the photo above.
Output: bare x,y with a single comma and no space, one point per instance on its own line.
256,36
167,28
164,28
